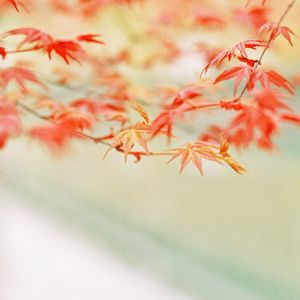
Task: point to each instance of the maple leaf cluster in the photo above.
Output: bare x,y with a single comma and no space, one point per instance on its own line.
112,110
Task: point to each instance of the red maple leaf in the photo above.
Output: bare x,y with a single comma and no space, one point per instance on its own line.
240,73
238,50
64,127
276,31
34,36
10,123
90,38
217,60
291,118
252,76
214,133
247,44
232,104
96,106
2,52
185,96
269,77
164,122
102,109
53,136
208,19
74,121
16,4
66,49
271,100
254,17
253,125
20,76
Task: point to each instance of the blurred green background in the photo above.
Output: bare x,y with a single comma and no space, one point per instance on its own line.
222,236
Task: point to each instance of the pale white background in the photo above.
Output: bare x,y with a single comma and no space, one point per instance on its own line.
42,260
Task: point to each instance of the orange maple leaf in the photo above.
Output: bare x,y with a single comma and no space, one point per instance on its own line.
140,110
193,153
126,139
200,150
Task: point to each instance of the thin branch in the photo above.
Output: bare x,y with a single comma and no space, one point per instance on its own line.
32,111
23,50
136,154
77,133
203,106
259,61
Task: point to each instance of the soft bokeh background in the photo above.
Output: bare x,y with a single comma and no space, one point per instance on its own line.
79,227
